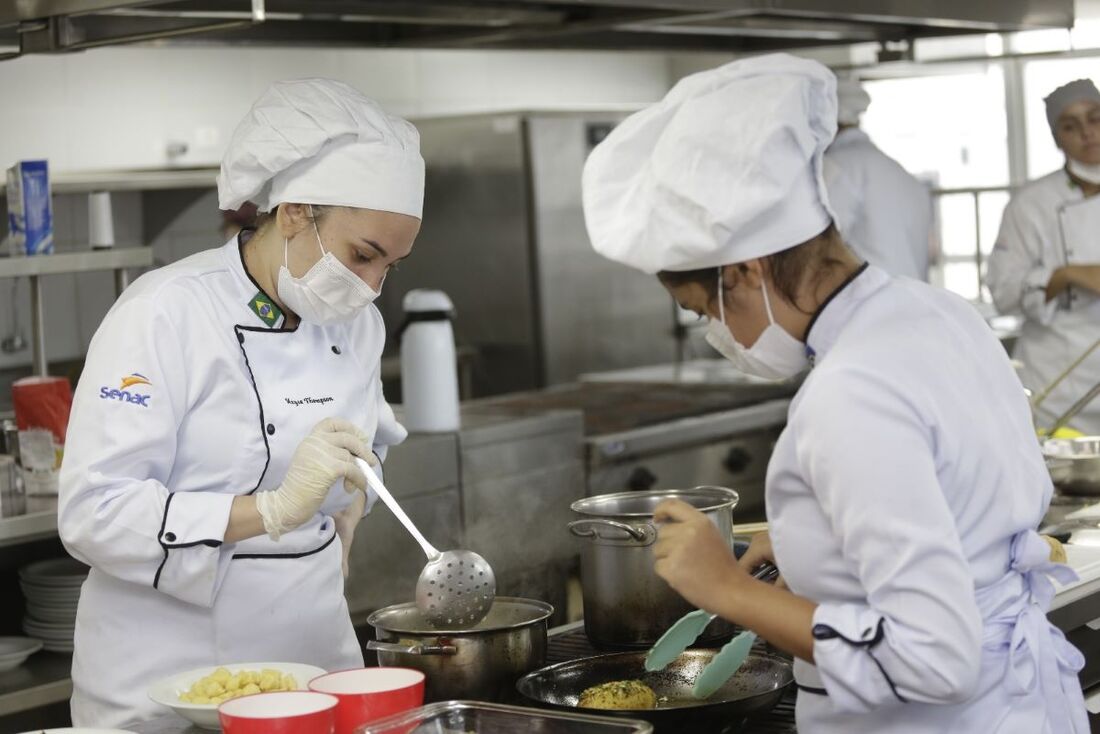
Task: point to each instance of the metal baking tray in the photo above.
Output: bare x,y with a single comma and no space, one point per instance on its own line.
473,717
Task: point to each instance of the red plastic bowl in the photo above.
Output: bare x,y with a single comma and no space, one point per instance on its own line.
369,694
289,712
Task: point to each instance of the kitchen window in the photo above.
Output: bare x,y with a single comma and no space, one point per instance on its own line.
949,129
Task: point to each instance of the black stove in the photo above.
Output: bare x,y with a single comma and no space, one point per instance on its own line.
613,407
570,643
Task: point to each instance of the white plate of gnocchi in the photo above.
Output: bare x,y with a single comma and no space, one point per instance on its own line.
196,694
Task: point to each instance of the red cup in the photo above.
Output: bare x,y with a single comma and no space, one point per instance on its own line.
369,694
288,712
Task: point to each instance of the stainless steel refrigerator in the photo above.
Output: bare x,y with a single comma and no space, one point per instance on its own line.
504,236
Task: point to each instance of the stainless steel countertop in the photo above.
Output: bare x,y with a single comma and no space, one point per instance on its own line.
166,725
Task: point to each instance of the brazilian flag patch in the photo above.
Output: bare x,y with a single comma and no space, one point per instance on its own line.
262,306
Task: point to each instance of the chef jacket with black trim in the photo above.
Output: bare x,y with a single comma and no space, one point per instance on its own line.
194,393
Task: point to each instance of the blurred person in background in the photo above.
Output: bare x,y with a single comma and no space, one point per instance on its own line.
1046,262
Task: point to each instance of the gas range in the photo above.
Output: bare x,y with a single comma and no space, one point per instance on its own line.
670,426
619,406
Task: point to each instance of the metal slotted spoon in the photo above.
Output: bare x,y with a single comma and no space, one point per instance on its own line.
456,587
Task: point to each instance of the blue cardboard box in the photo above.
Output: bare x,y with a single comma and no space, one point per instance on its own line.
30,209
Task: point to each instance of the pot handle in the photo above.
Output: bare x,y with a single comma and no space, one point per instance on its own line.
588,528
411,649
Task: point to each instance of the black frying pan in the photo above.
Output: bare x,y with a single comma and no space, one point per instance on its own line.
756,688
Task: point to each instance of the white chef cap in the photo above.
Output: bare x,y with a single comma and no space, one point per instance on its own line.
1065,95
320,141
852,100
726,168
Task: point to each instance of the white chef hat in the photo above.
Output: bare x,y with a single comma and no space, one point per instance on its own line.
1065,95
320,141
852,100
726,168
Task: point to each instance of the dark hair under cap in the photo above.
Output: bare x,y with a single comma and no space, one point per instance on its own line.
1067,94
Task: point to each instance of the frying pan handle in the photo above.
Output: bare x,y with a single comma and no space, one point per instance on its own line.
766,572
418,649
589,528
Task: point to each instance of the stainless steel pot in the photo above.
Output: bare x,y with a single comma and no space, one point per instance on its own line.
1074,464
481,663
626,604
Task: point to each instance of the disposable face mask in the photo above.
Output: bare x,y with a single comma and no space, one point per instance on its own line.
328,293
776,355
1085,171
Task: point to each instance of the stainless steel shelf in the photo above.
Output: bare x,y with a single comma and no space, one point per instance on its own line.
139,180
42,680
76,262
28,527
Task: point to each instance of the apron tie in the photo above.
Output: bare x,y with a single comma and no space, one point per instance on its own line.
1038,656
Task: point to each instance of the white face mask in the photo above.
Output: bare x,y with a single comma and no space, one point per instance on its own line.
776,355
1088,172
328,293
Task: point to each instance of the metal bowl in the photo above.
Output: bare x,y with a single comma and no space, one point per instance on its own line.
1074,464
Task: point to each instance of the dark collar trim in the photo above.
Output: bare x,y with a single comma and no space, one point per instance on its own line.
259,402
831,296
242,239
1071,180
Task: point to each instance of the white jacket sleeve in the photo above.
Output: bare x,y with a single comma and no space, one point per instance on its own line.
369,335
1018,274
389,432
917,633
115,511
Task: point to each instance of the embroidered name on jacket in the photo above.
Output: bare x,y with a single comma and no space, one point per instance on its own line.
124,394
308,401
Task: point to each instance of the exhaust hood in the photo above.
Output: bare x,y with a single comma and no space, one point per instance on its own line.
740,26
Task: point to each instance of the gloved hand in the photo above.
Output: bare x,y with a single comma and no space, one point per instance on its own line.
346,521
323,457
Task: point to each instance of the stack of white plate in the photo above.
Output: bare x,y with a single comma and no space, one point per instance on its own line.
15,650
52,589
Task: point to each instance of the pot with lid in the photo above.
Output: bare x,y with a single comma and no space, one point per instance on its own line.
480,663
626,604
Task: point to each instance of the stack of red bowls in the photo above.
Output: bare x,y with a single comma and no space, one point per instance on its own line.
289,712
369,694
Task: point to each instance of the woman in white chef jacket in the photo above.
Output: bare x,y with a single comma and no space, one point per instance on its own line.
208,478
1046,263
902,494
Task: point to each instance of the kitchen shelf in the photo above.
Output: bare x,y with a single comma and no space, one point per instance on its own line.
137,180
41,681
33,267
28,527
76,262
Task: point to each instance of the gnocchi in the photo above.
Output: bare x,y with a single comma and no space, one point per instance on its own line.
221,685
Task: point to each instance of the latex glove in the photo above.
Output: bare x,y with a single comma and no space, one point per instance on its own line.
323,457
346,521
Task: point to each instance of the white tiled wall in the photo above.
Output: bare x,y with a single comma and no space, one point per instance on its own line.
120,107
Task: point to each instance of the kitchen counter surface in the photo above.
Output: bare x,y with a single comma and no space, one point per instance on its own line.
167,725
